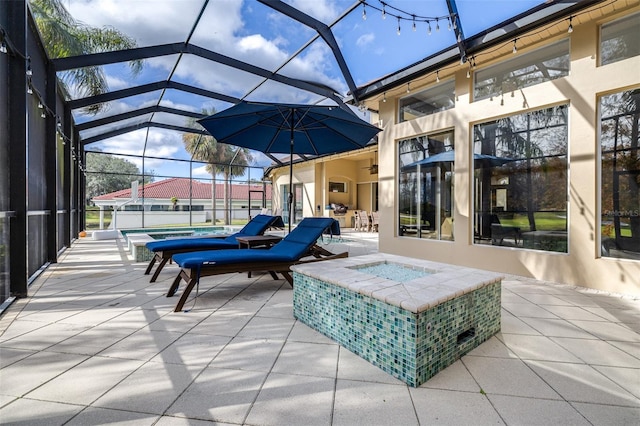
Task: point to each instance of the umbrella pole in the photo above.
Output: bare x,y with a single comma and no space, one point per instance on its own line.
290,201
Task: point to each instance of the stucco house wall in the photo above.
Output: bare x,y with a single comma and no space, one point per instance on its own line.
582,265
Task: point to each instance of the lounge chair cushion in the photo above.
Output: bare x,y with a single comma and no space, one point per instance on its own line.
292,248
256,226
196,243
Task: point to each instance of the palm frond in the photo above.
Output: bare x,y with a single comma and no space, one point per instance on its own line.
64,36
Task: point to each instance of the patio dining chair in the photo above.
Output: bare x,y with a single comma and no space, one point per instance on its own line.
365,221
375,219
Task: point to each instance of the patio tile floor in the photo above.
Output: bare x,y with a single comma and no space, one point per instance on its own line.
96,343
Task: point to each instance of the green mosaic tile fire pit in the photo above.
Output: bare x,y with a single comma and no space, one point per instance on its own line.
411,326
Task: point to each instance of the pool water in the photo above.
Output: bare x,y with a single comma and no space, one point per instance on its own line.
393,271
167,232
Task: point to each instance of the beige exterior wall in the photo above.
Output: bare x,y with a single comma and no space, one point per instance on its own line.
580,90
582,265
349,168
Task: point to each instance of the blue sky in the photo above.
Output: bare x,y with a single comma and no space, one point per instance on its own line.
251,32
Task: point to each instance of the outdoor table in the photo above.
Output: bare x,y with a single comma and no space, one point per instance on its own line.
258,241
255,241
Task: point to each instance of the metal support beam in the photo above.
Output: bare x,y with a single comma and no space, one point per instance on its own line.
136,113
150,87
139,126
104,58
16,12
322,29
514,27
67,188
98,59
457,28
51,166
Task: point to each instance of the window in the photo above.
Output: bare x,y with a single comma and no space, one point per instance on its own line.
430,101
619,39
520,185
620,182
425,187
545,64
337,187
296,202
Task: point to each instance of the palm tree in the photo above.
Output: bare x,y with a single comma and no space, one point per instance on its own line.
64,36
229,160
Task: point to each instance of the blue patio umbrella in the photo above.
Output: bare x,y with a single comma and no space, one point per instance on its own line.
274,128
448,157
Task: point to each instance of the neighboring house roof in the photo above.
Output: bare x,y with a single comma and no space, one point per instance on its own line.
179,187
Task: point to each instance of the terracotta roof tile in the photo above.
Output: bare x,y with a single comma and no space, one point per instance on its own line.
179,187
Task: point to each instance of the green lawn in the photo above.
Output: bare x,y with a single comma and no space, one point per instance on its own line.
92,218
544,221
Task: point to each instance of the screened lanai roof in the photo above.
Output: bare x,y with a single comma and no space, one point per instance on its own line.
206,55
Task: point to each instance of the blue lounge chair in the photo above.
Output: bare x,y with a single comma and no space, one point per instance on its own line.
299,246
164,249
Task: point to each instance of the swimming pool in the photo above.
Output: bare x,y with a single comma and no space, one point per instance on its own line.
136,239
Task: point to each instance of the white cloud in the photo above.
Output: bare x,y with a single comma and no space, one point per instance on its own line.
322,10
150,22
116,83
365,39
201,172
221,29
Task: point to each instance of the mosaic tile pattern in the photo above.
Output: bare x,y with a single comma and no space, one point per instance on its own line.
141,254
410,346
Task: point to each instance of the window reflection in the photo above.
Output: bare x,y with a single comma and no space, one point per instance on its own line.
521,181
426,187
620,185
